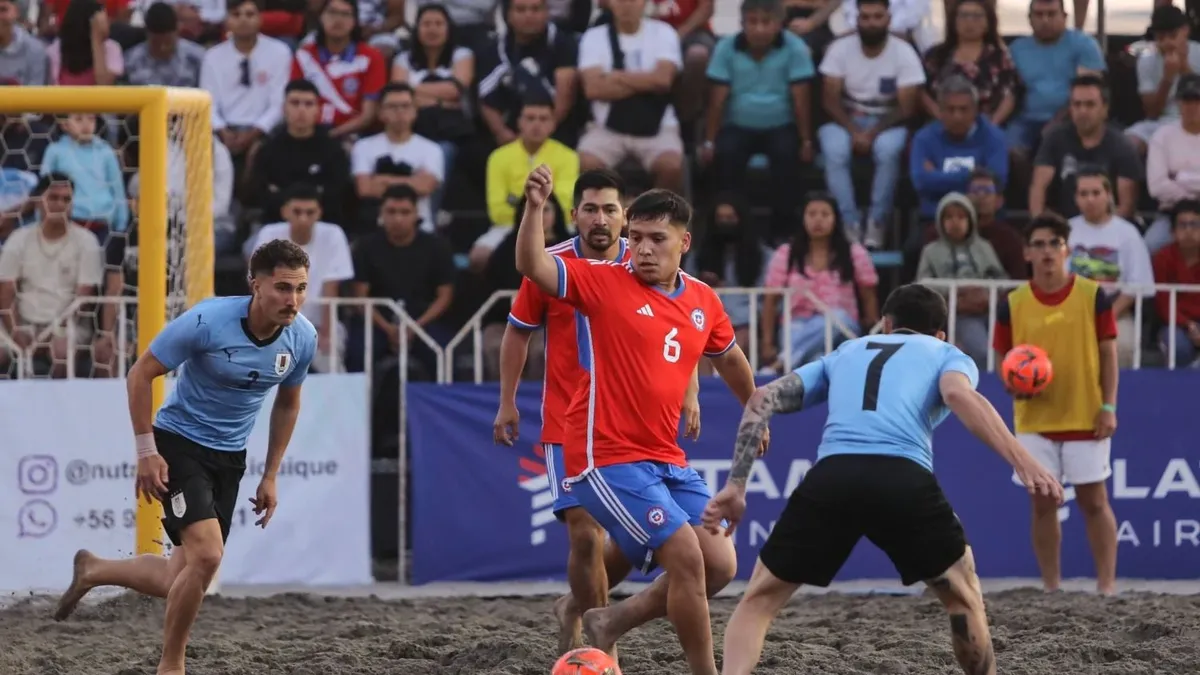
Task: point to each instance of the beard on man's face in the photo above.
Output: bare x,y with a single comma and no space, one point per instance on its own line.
872,37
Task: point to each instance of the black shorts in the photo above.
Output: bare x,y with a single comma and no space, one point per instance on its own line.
202,483
894,502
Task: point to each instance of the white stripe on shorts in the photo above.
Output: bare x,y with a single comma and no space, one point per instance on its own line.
616,508
548,451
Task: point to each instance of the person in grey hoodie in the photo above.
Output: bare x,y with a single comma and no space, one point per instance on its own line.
960,253
23,57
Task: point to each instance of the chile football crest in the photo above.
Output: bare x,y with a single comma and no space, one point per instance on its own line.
698,318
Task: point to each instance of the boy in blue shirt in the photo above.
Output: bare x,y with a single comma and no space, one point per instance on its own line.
873,476
229,352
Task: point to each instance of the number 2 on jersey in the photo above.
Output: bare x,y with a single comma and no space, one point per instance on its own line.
875,371
671,346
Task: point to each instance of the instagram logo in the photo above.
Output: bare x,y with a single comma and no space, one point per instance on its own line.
37,474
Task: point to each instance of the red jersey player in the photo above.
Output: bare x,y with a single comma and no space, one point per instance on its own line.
644,327
348,72
599,217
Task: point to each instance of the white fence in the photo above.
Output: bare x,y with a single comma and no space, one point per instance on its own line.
354,422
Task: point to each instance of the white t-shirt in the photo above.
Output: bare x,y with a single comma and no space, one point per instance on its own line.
1110,253
418,152
870,85
328,260
48,273
655,41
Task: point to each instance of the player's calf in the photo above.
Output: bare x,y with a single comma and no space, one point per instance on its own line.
960,593
586,577
205,546
682,558
765,595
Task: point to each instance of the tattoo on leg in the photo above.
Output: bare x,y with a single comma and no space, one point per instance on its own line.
975,659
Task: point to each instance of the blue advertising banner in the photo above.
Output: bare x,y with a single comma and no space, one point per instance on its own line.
481,512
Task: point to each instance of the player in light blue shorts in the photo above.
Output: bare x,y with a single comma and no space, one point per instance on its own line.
229,353
874,476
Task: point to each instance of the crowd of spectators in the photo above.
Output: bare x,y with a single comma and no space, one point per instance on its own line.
394,151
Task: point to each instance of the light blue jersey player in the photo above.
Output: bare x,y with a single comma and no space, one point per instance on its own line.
229,352
873,476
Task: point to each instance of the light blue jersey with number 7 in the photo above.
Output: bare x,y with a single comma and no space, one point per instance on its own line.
883,394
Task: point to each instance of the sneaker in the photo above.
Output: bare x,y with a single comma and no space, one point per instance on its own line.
874,236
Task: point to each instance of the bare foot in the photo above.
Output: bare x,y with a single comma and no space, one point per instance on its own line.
570,626
79,586
599,631
169,671
1107,591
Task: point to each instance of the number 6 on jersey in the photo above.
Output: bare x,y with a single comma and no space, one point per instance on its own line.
671,346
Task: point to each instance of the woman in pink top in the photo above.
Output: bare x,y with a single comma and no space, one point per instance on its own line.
83,54
822,260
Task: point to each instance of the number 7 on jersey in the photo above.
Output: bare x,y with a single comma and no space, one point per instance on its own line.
875,372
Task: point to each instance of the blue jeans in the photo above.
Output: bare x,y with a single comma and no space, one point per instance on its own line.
1158,235
450,152
1185,351
838,151
971,336
808,336
1023,133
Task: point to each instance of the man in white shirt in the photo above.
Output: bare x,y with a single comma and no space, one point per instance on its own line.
329,264
630,93
870,92
396,157
246,75
1109,250
43,269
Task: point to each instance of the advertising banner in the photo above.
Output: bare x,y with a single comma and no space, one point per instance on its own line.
67,470
481,512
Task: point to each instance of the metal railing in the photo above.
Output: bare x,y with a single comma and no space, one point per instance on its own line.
473,328
78,317
1139,292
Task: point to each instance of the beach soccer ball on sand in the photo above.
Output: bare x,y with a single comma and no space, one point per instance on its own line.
586,661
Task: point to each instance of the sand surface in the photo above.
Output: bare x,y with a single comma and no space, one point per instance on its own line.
831,634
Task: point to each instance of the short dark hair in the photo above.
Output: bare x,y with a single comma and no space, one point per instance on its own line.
231,5
772,7
886,4
277,253
302,85
401,193
1185,206
654,205
598,179
304,192
1093,80
916,307
537,100
1048,220
160,18
49,180
983,173
395,88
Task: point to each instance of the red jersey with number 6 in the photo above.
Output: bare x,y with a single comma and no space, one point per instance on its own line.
638,345
534,308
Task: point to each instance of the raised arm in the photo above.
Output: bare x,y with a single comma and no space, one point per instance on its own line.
980,418
533,261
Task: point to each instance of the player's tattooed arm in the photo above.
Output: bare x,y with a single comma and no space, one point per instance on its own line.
784,395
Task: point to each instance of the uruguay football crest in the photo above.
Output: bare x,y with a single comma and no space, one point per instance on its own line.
698,318
283,361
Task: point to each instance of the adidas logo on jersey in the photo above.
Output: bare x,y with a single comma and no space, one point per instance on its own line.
646,311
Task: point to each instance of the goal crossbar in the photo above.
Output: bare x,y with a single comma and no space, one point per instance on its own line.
153,107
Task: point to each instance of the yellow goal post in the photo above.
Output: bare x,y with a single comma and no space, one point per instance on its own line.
173,211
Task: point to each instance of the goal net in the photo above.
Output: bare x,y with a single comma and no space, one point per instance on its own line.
138,162
133,167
